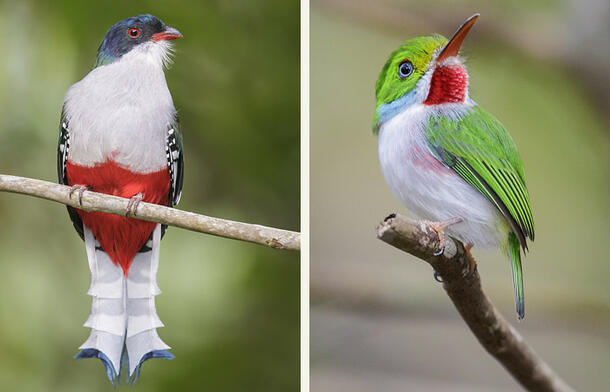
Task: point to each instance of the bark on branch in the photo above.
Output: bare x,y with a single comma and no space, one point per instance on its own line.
93,201
497,336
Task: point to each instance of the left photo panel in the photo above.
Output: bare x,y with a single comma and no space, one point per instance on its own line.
152,131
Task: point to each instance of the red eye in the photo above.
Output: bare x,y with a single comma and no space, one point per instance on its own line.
134,33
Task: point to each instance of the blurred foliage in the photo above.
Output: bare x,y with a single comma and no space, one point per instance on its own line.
562,139
231,309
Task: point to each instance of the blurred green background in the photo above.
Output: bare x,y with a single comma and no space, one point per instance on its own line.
231,309
378,319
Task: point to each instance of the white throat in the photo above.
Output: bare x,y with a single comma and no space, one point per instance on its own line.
121,111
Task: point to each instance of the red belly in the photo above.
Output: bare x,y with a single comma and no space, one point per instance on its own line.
120,237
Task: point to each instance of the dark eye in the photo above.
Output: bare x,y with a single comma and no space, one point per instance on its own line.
405,69
133,33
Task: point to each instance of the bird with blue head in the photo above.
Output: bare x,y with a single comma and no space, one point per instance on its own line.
120,135
130,33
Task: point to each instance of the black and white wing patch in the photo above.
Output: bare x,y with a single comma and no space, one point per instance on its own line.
175,163
62,151
63,147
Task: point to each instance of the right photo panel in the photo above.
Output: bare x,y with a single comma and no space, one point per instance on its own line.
459,196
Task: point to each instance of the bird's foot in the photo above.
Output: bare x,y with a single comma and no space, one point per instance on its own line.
439,228
472,264
437,277
132,206
79,189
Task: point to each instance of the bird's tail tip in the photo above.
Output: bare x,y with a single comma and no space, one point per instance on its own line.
111,372
93,353
515,257
163,354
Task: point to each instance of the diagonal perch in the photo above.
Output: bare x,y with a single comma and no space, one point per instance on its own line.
93,201
496,335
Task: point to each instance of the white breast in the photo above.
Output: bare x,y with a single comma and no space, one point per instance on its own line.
121,111
428,189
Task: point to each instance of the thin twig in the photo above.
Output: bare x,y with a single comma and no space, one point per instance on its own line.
93,201
497,336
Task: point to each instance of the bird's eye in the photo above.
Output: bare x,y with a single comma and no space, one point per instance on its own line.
405,69
133,33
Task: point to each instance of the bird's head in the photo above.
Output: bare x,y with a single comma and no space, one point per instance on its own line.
424,70
145,33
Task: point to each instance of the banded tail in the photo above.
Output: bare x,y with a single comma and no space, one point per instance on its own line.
123,317
514,249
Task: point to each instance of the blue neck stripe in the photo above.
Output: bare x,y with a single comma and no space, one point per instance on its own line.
386,111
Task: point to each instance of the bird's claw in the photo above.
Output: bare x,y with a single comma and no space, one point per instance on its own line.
472,264
439,228
132,206
441,249
80,189
437,277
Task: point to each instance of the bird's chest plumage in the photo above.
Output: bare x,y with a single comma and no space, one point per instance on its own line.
120,112
429,189
118,119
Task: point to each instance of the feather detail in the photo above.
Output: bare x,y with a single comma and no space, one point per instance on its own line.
119,236
123,317
120,111
449,84
175,162
142,322
479,149
108,316
427,186
515,259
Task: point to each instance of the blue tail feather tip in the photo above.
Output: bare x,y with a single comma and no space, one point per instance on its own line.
164,354
93,353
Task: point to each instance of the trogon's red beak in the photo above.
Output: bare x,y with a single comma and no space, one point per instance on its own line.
169,34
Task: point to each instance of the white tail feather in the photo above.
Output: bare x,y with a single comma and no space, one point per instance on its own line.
123,309
142,287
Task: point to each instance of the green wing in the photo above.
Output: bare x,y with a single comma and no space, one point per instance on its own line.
480,150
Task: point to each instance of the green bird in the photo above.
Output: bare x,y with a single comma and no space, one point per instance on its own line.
445,158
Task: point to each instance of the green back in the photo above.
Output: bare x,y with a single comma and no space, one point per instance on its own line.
480,150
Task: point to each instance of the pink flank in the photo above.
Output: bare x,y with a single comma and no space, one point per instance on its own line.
427,161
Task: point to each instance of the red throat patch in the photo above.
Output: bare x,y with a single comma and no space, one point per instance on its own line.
120,237
448,84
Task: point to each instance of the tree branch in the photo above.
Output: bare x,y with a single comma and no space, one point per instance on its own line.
93,201
497,336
